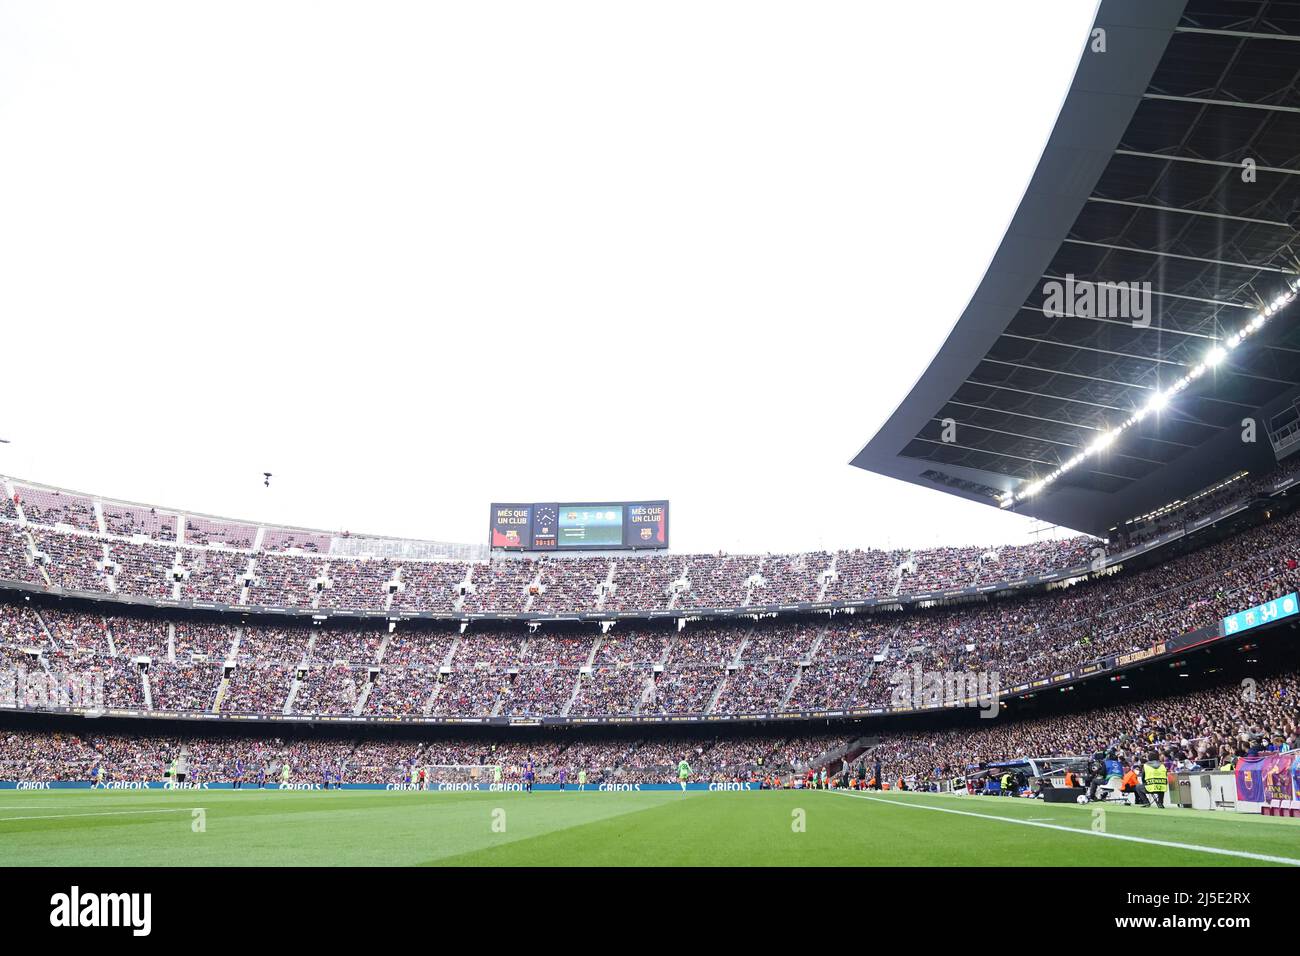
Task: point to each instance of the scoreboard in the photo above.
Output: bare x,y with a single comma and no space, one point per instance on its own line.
579,526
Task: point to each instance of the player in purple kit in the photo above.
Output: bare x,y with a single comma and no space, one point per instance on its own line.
564,775
528,774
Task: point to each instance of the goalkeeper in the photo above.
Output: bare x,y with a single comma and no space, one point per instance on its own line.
683,773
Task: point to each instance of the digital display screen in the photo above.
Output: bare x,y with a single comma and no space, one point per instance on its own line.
1260,615
546,522
512,526
647,524
591,526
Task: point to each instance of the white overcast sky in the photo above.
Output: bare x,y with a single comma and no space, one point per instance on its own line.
416,257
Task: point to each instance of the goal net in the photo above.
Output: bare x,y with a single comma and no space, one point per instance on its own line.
441,774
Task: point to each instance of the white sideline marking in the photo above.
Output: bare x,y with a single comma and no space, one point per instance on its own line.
1055,826
48,806
100,813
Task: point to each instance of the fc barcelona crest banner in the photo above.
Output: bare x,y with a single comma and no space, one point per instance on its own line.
1268,778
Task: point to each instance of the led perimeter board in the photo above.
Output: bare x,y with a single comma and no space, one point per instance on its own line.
579,526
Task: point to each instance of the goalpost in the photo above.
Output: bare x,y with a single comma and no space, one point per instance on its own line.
459,774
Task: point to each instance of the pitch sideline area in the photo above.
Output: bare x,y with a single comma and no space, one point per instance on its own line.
1099,822
797,828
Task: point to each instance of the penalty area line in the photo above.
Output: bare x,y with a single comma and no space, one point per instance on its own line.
1194,847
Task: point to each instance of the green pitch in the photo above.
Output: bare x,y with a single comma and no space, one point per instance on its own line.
377,828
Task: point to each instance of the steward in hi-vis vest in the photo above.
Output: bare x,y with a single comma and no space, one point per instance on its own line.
1157,780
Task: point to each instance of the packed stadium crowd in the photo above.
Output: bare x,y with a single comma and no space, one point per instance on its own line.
1207,729
1234,490
171,660
27,755
66,541
69,542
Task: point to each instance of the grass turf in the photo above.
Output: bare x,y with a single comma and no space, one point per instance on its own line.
363,828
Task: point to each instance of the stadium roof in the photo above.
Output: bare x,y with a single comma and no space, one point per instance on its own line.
1144,179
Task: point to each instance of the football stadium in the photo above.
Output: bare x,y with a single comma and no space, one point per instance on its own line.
1115,684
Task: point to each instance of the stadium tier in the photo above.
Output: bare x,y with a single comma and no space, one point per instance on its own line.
75,543
68,543
177,661
1204,729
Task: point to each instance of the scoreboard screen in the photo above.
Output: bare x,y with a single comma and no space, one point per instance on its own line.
577,526
591,527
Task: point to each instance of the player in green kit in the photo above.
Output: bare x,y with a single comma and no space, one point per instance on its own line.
582,779
284,775
683,772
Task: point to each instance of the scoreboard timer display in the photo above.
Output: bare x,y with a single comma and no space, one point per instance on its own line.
578,526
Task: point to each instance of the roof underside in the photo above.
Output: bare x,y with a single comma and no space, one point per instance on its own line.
1145,179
